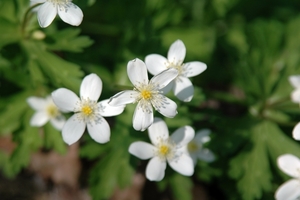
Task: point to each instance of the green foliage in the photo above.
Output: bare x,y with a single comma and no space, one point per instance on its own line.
69,40
250,47
181,187
112,170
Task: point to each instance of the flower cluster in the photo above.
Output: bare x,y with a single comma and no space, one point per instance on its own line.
181,150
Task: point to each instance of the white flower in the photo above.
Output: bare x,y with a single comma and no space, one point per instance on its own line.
182,86
87,111
290,165
295,82
196,150
147,94
46,111
68,12
165,149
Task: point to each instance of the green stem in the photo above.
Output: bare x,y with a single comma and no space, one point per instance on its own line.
280,101
27,16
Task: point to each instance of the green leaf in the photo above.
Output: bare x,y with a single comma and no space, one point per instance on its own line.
10,32
11,117
36,74
7,10
92,150
68,40
109,173
181,187
198,41
28,141
253,165
60,72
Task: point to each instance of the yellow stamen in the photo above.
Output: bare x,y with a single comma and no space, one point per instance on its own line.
87,110
164,150
52,110
146,94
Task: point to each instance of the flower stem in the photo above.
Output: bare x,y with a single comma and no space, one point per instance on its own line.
27,16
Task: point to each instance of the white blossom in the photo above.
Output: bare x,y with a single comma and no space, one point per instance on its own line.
46,111
67,11
87,112
182,86
165,149
146,94
196,149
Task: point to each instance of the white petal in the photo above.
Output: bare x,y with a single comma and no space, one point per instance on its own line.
46,14
206,155
73,129
100,132
108,110
295,96
296,132
37,103
177,52
39,119
183,135
91,87
143,116
289,164
183,89
156,63
137,72
124,97
202,136
183,165
193,68
155,170
288,191
168,88
58,122
65,99
295,81
72,15
158,130
168,108
164,78
142,150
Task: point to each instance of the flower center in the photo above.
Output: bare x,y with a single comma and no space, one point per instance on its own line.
62,5
146,94
52,111
87,110
166,149
60,2
176,65
193,147
149,95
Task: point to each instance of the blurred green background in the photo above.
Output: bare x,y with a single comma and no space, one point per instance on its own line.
250,48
